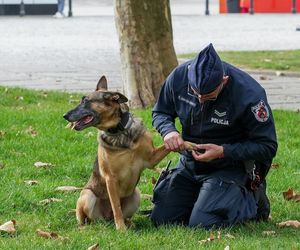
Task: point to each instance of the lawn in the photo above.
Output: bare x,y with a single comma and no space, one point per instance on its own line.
287,61
32,129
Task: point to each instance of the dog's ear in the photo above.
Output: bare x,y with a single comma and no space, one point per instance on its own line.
119,97
102,83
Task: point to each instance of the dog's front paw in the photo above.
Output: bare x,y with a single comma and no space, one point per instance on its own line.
121,226
189,146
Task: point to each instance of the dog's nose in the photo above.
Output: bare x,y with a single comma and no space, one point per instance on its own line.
66,116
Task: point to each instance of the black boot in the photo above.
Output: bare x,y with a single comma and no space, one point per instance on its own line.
263,203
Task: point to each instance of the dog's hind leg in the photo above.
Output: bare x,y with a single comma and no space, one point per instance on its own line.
86,208
131,204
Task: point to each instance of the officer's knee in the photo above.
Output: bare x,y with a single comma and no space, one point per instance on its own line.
204,220
157,217
163,216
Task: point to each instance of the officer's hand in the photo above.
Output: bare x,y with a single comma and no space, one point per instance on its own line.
210,152
174,142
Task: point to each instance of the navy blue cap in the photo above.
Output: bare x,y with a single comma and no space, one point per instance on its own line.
206,71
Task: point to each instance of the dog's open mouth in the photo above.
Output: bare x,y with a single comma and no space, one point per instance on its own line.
81,123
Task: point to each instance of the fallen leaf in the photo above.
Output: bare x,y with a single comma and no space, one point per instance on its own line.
291,195
289,223
263,78
143,180
153,180
2,165
2,133
146,196
89,134
49,200
21,98
211,238
30,130
72,211
288,194
50,235
129,223
67,188
46,234
31,182
94,247
229,236
275,165
268,233
157,170
73,101
40,164
8,227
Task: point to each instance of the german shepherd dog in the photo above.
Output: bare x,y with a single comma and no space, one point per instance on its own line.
125,150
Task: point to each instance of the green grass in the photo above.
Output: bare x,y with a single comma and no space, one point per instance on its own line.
73,153
267,60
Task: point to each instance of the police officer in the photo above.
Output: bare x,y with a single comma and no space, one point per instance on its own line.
226,113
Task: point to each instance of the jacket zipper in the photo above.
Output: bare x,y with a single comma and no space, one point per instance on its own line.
202,120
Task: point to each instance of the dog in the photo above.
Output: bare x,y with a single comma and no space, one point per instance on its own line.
125,150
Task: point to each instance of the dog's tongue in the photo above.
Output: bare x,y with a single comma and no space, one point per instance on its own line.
85,120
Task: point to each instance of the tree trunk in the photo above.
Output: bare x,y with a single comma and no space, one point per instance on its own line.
146,46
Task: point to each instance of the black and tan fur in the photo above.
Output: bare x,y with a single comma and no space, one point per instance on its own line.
125,150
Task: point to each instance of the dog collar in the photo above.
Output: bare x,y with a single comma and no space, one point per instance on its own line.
126,121
124,124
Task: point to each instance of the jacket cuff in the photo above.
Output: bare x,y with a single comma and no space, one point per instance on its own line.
227,153
167,131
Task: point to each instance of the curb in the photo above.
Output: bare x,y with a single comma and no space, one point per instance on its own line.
277,73
273,73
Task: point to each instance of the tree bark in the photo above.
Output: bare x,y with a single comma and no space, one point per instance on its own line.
146,48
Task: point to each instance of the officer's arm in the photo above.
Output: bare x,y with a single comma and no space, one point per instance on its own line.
261,143
163,113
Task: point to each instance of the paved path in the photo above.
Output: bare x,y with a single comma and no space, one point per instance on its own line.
70,54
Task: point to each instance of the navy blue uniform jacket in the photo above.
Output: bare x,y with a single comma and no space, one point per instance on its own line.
240,119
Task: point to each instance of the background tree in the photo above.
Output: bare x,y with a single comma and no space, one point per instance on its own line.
146,46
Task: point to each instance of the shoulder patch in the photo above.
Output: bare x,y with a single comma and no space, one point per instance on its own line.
261,111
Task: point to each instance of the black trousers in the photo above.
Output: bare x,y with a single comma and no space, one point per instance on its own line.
202,200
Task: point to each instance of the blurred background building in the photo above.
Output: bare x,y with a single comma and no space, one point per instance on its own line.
28,7
259,6
49,7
